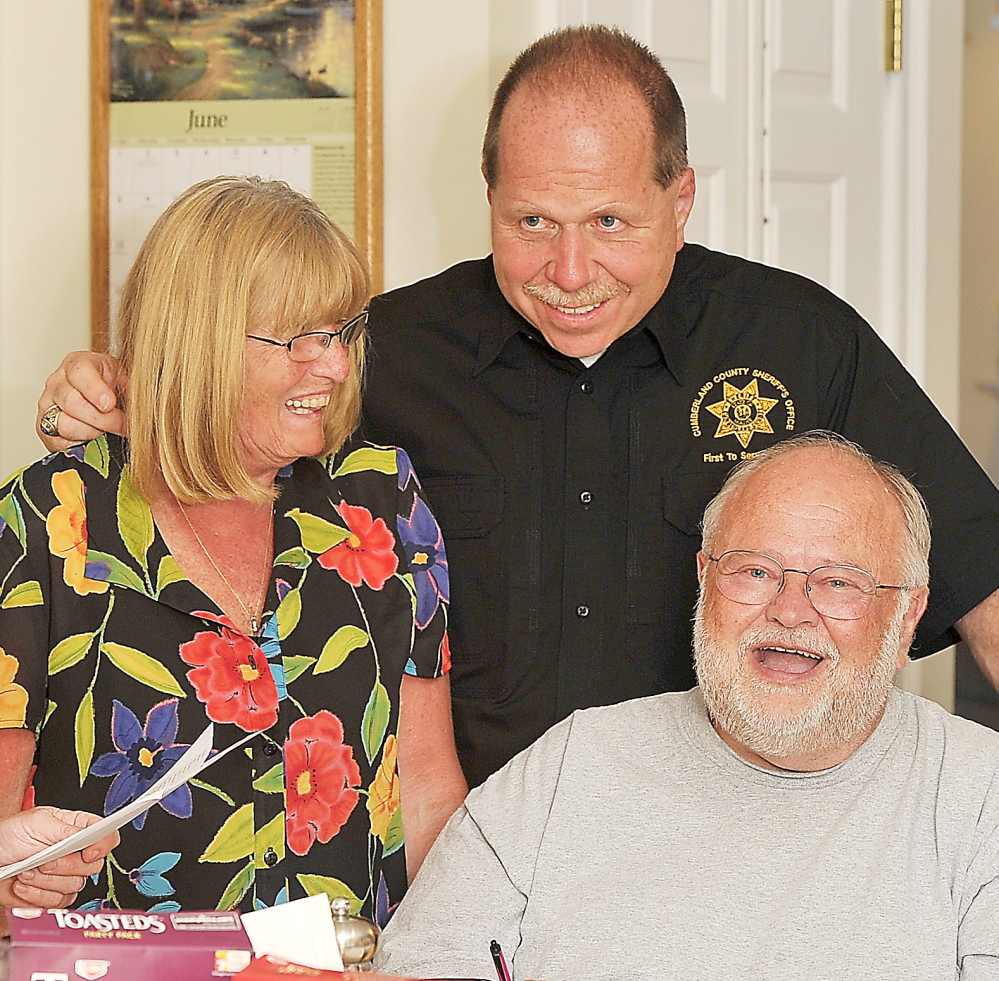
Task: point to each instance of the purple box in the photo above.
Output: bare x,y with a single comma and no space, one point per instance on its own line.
126,945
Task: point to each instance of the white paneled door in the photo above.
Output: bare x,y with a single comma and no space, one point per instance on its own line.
823,95
794,131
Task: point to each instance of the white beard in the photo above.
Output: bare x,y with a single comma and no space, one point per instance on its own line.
839,707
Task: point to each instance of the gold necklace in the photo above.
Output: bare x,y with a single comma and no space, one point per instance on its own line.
253,618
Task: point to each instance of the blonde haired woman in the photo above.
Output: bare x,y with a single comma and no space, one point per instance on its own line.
237,560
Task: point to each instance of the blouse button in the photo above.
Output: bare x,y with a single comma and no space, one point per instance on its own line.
271,749
585,497
270,858
586,387
582,611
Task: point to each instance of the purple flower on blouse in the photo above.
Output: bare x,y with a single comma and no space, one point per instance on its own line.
404,469
100,571
144,754
424,546
76,452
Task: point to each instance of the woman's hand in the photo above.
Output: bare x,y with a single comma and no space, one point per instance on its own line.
54,884
85,387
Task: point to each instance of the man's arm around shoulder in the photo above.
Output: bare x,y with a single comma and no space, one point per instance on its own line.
979,628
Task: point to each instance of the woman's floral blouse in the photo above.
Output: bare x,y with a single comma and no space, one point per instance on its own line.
118,662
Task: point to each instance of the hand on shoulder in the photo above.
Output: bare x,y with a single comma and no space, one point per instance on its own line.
85,390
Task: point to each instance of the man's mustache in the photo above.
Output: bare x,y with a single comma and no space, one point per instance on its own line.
588,295
766,635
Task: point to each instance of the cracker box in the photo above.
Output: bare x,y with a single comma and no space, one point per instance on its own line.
126,945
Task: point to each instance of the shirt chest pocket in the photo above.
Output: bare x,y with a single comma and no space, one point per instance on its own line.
465,507
468,510
664,534
686,495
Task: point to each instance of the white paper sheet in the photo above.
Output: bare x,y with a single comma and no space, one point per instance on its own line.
301,931
189,765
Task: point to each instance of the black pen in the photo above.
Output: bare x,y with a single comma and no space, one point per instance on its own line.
499,961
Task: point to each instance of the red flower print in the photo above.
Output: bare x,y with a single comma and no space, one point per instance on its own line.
232,677
320,776
367,554
445,654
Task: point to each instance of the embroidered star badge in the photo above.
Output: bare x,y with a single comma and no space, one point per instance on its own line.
742,412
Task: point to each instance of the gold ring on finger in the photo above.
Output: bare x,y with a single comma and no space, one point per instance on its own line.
49,423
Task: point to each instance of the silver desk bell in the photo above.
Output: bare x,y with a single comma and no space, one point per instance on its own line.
357,936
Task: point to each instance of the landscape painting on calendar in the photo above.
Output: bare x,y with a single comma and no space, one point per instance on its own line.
165,50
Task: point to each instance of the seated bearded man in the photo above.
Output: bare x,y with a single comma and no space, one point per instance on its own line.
795,816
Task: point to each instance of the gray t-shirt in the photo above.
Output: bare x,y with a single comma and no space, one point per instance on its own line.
631,840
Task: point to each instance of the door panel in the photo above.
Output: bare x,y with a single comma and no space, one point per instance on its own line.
785,105
823,102
704,46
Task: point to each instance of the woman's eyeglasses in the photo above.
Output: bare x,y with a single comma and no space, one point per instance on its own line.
314,343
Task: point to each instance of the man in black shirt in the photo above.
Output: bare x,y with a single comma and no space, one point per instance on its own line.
572,403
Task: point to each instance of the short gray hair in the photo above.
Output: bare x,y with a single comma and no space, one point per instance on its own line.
916,552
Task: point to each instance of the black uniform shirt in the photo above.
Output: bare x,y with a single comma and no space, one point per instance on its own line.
570,497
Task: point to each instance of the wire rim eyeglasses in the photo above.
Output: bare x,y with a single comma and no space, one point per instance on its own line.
840,592
314,343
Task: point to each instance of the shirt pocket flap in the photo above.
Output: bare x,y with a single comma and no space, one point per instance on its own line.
686,495
466,507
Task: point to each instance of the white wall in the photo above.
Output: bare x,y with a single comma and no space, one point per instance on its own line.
437,88
935,163
439,73
44,202
980,236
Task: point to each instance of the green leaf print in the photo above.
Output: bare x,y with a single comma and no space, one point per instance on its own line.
295,665
272,782
368,458
121,574
10,511
270,836
26,594
317,535
375,720
85,735
96,454
236,890
394,836
70,651
212,789
50,707
289,612
336,649
143,668
296,557
327,885
169,572
234,840
135,520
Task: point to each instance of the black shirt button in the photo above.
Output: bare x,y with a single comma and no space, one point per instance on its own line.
586,386
270,749
270,858
585,498
582,611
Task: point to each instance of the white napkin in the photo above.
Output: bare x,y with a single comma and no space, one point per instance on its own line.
301,931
